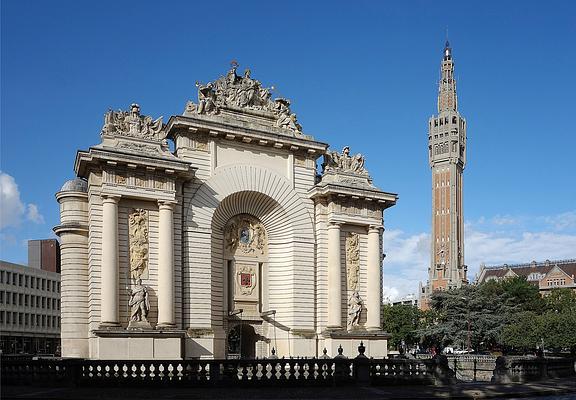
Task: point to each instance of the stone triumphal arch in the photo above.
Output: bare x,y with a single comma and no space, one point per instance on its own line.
233,244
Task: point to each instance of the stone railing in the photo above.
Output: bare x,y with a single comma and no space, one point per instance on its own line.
473,368
525,370
323,371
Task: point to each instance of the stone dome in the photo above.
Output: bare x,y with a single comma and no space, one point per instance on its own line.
75,185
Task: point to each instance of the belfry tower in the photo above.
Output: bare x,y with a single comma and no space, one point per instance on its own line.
447,156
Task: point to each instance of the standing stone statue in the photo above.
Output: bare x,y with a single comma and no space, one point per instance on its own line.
354,309
140,306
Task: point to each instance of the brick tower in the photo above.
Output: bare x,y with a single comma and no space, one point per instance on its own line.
447,156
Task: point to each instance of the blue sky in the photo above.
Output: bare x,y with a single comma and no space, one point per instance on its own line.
362,74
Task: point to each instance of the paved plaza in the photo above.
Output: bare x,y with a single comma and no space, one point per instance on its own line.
555,388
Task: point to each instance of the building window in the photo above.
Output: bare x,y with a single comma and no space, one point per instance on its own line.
43,302
1,276
20,299
8,317
26,281
26,300
8,296
37,319
26,319
58,287
20,279
20,319
2,297
15,298
2,317
43,284
14,278
32,281
58,304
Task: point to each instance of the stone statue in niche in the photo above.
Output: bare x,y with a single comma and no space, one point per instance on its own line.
138,240
354,309
352,260
242,92
139,306
245,234
131,123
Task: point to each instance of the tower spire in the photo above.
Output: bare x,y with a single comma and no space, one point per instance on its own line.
447,99
447,156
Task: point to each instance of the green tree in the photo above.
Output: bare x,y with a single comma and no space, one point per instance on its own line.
553,325
401,322
479,313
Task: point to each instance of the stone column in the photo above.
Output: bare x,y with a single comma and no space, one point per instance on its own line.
73,233
110,279
334,277
374,273
166,266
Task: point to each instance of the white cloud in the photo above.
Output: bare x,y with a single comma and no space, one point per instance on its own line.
497,240
406,262
34,215
12,209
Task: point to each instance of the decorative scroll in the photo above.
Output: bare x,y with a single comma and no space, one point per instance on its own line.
138,235
246,234
242,92
352,260
131,123
343,162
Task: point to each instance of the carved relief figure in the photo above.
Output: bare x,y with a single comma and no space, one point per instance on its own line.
334,161
354,309
245,234
139,302
131,123
352,260
138,240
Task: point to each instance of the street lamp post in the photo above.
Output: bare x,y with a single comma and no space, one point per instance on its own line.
233,313
273,313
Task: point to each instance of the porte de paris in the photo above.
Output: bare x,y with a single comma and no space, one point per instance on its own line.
226,232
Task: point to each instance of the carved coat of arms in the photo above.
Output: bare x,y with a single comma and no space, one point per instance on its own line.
246,279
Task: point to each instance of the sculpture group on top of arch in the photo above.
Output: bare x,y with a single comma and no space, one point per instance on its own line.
233,91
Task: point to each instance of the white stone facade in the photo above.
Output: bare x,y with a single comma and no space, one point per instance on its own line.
240,244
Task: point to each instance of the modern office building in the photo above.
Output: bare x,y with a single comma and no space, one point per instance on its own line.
30,304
